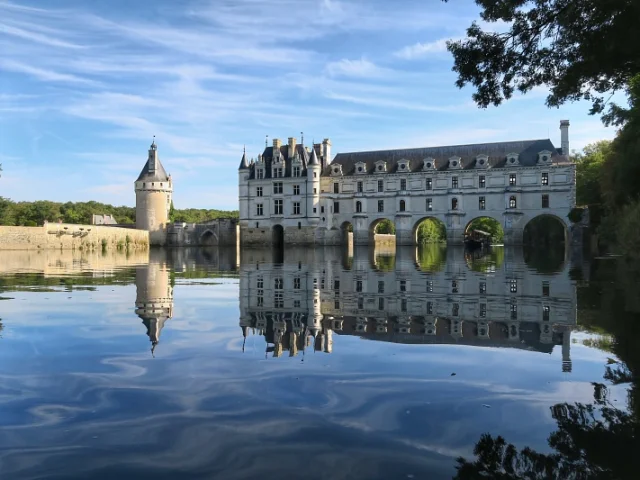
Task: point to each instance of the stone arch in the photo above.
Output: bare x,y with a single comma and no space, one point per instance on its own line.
499,223
374,225
416,226
277,235
208,238
525,234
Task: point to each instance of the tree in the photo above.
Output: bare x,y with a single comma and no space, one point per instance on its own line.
589,165
172,213
580,50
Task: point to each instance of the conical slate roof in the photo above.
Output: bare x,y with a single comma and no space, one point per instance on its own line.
244,165
314,158
149,174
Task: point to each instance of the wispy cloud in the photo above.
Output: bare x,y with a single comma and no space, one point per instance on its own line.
354,68
421,50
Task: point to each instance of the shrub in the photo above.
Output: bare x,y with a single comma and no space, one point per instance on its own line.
629,229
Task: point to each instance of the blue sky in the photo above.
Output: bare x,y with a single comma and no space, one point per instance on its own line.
84,86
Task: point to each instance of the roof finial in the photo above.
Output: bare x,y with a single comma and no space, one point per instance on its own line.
302,138
244,149
266,141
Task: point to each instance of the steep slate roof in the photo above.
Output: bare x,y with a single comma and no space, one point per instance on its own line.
244,165
267,160
160,175
497,152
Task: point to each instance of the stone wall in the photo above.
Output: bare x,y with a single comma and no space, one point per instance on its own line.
64,236
219,232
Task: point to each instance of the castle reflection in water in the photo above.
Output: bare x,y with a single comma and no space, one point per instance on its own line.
300,299
433,296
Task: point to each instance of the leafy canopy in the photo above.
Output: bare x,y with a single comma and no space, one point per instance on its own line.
580,50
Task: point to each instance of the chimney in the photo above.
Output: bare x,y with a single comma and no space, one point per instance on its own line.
326,152
292,147
277,144
564,136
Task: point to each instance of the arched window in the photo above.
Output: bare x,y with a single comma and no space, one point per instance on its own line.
454,204
358,207
512,202
402,206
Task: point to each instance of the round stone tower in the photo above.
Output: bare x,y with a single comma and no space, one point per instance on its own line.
154,191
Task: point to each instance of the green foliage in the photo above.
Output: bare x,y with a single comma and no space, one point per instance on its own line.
431,231
385,227
589,168
35,213
489,225
172,212
558,44
628,231
432,258
385,263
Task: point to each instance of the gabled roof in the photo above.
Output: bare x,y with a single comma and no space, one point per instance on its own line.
287,163
497,152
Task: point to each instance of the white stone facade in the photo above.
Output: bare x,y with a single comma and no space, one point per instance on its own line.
511,182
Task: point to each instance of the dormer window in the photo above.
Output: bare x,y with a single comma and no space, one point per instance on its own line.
260,173
429,163
404,165
336,170
381,167
455,163
544,158
513,159
361,168
482,161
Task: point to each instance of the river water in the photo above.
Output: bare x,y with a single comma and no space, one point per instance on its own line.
421,363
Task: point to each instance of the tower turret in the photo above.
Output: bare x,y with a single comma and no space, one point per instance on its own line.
243,190
314,169
154,191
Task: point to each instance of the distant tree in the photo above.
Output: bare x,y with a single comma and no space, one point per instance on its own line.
580,50
589,165
385,227
489,225
172,212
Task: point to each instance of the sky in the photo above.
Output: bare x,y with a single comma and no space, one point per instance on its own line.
85,85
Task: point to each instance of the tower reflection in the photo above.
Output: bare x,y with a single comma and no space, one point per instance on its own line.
417,296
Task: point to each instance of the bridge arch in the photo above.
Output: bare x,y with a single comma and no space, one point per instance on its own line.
382,225
489,224
438,231
546,229
208,238
277,234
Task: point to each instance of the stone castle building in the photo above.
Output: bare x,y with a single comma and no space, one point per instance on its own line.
154,195
294,194
317,294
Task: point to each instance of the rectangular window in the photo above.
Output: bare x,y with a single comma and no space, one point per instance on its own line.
296,189
278,283
429,184
260,174
545,289
483,310
278,300
545,313
260,282
483,287
429,286
482,182
296,208
403,285
429,204
512,179
380,286
259,210
260,300
296,171
454,287
403,184
455,309
514,311
360,189
336,284
358,286
429,308
513,286
545,178
336,188
277,172
380,205
322,209
277,207
296,283
403,305
381,303
277,187
454,182
360,303
481,203
336,207
259,192
336,305
296,304
380,186
545,201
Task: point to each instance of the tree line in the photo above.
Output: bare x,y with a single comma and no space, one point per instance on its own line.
37,212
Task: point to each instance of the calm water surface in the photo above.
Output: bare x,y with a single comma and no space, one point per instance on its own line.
423,364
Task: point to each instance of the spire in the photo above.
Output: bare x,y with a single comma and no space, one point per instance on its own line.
314,158
244,165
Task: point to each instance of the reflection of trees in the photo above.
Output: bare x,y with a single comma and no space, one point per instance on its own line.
431,258
385,263
544,260
485,261
593,441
